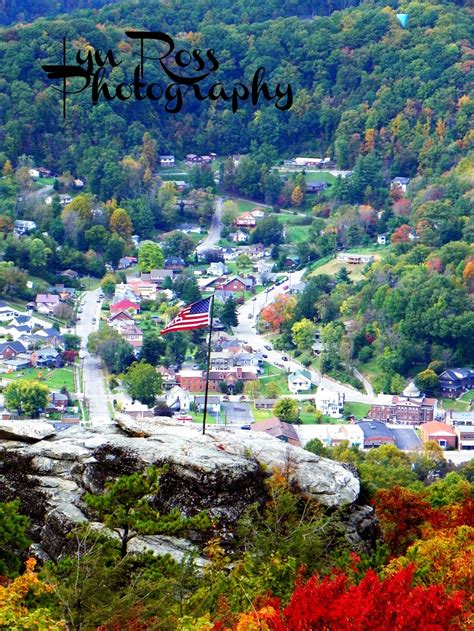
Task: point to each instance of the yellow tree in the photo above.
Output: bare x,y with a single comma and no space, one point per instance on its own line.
297,197
17,603
468,275
7,170
121,223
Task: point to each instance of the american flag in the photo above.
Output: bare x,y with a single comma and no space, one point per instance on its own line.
195,316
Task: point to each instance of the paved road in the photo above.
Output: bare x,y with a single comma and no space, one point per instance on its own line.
94,386
246,330
215,230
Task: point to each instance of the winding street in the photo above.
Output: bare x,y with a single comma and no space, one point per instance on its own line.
215,229
95,394
246,330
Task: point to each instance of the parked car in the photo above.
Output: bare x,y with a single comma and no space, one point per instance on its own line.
245,427
284,358
250,316
268,347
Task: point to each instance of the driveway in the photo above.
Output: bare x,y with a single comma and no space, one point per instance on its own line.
95,394
215,230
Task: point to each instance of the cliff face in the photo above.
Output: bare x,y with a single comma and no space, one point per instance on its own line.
221,472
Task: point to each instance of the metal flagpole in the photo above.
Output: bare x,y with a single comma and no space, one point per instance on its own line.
208,366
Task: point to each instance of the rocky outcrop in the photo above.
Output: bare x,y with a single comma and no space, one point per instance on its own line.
221,472
26,431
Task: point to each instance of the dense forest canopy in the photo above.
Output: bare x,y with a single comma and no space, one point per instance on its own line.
358,77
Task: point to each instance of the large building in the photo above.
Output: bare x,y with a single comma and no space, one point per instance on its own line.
411,407
443,434
455,381
195,380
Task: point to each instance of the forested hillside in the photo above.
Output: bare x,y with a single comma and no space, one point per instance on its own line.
361,84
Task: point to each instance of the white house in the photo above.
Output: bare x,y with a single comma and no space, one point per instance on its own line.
382,239
190,228
23,226
239,236
217,269
7,313
355,259
78,183
167,161
45,303
257,213
230,254
331,435
63,199
178,399
34,174
299,381
399,183
330,402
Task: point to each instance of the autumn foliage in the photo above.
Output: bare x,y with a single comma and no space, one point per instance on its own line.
335,604
278,312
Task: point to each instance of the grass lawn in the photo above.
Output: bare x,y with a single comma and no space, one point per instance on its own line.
54,379
370,370
467,396
297,234
271,374
456,406
359,410
333,266
307,417
244,206
319,176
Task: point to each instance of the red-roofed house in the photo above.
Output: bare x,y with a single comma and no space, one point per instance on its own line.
279,429
443,434
124,305
133,335
246,220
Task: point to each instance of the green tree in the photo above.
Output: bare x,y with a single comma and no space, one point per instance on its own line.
286,409
269,231
153,349
126,508
13,538
228,315
115,249
315,446
273,392
97,238
38,253
150,257
26,396
108,283
143,382
427,380
178,244
71,342
243,263
302,334
230,212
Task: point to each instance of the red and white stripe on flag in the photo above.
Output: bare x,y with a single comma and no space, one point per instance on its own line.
195,316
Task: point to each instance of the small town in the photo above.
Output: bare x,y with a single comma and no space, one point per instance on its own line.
236,315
